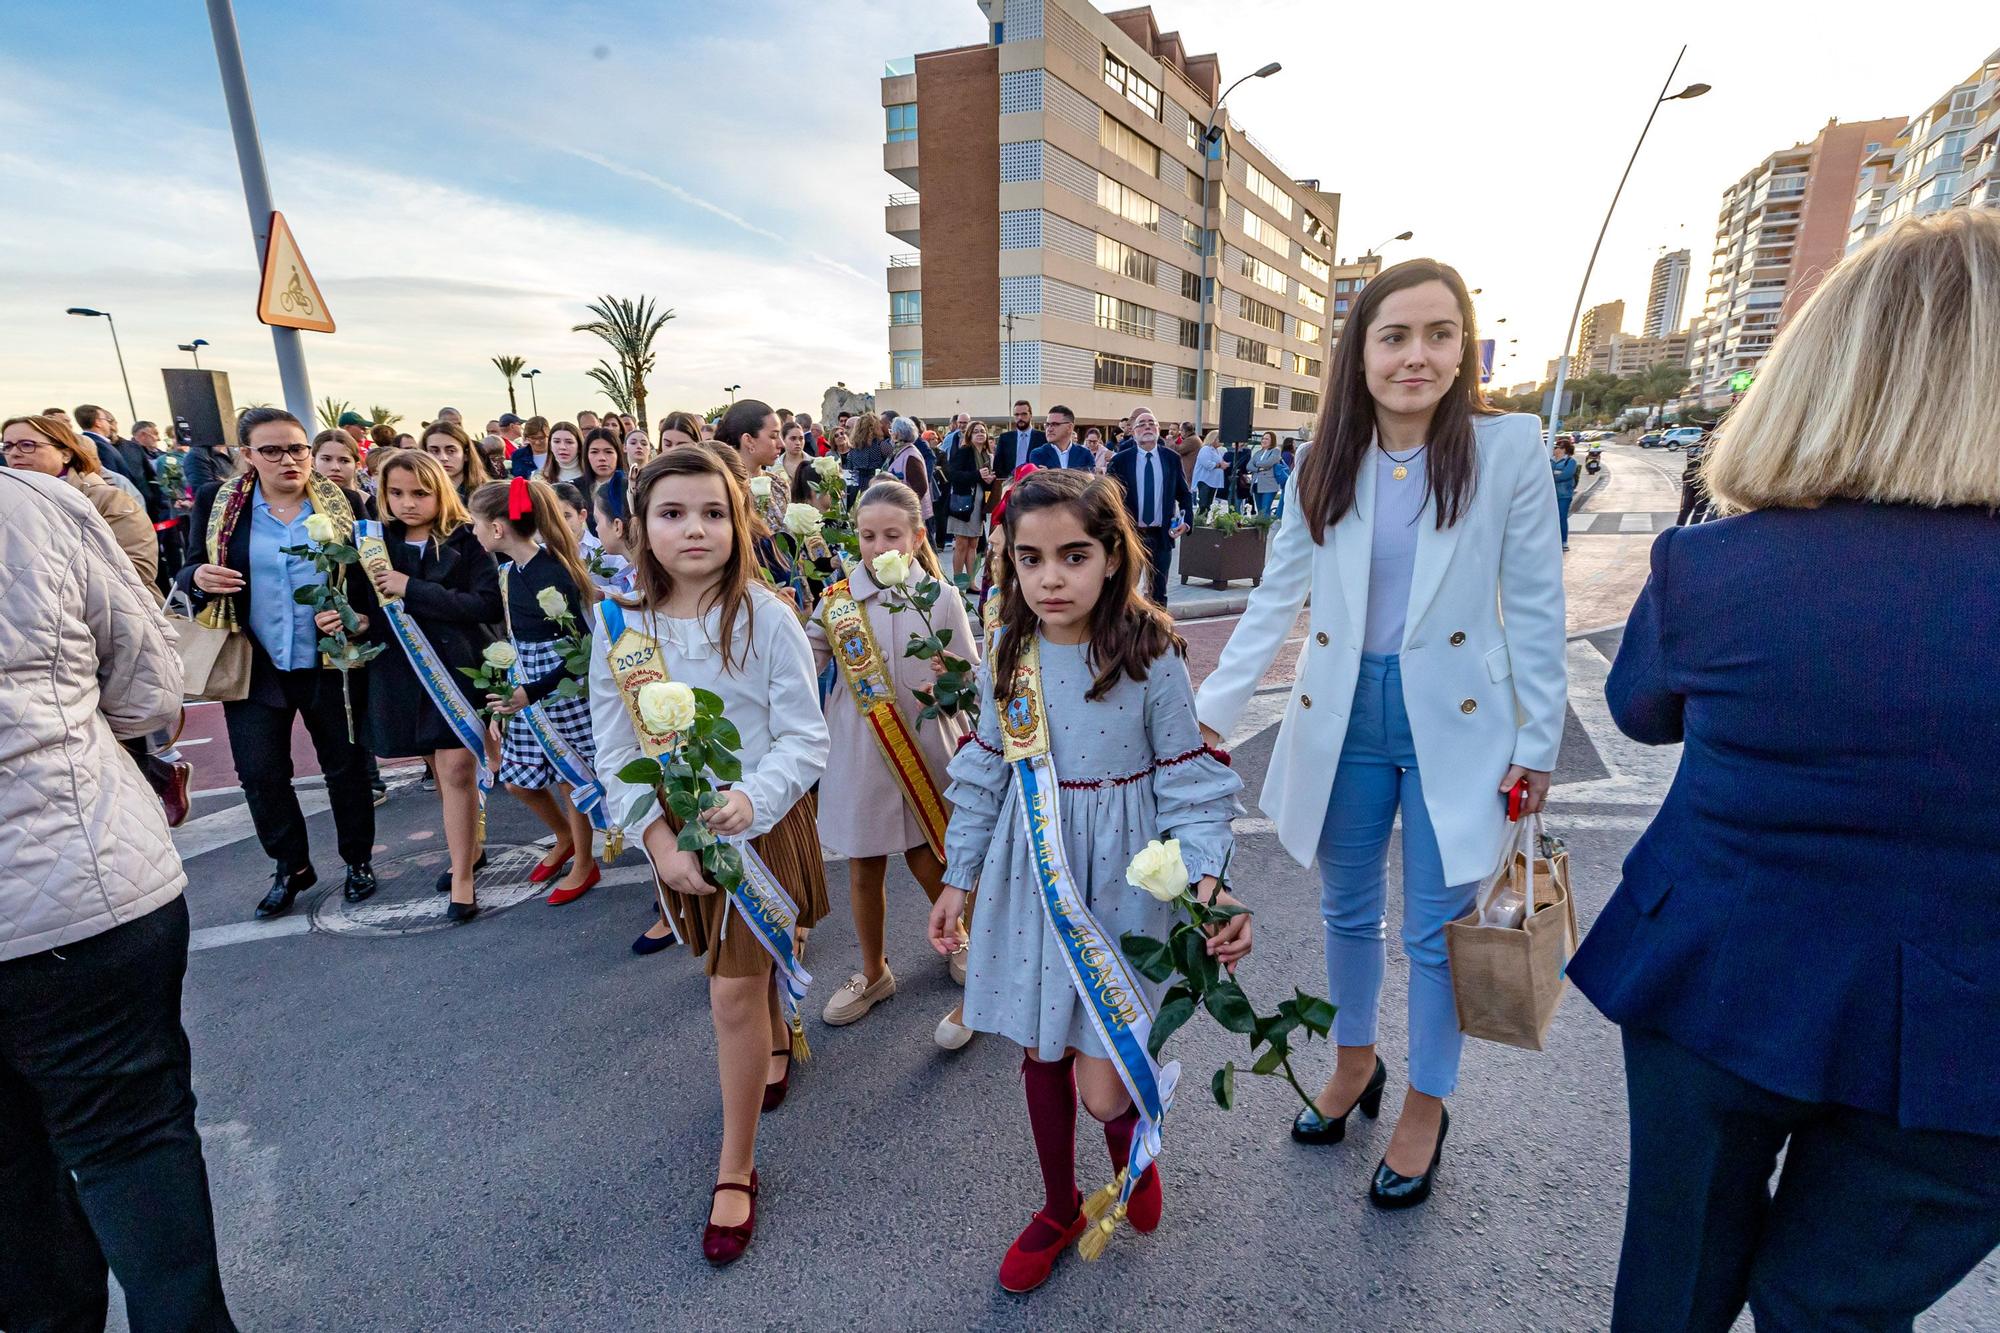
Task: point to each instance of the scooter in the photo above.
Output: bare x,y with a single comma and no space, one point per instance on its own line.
1593,461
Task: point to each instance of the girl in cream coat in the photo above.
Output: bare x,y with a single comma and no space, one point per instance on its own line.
1424,529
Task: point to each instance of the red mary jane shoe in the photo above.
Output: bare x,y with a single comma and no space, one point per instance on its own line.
1028,1266
725,1245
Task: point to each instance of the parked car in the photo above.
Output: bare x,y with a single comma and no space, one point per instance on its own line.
1681,436
1650,440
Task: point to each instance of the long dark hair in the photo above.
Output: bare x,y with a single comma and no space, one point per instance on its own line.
1345,432
1127,632
743,417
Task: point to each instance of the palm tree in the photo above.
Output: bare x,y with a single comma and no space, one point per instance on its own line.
382,416
510,366
330,410
629,327
616,387
1661,384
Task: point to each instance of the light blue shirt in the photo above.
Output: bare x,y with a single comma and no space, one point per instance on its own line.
1208,468
1148,462
282,624
1399,508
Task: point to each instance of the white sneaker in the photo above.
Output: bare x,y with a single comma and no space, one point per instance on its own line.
951,1034
856,997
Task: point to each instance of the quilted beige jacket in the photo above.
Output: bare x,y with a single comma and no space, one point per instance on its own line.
85,658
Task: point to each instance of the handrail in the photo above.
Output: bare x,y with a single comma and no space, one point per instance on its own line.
904,261
905,197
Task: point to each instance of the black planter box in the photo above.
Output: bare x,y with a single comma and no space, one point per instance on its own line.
1219,558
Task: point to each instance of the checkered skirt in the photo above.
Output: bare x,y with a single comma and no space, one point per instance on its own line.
522,763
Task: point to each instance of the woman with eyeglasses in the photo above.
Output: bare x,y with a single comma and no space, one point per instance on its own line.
239,577
51,447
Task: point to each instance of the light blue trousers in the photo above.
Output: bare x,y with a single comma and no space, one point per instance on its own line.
1377,774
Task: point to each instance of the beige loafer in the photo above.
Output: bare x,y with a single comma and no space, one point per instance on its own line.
856,997
951,1034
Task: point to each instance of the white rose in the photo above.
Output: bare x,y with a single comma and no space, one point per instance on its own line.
1159,870
828,467
320,529
552,603
760,489
891,569
802,520
666,706
501,655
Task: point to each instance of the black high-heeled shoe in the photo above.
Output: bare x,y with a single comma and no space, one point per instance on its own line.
1310,1127
1392,1189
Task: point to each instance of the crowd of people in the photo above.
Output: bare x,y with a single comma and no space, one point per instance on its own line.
731,604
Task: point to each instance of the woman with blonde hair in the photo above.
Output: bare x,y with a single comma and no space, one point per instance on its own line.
1803,953
46,445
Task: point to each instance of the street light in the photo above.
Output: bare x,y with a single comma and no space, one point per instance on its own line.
105,315
1692,91
1376,248
534,403
194,350
731,389
1210,137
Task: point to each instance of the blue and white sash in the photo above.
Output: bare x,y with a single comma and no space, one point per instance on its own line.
763,903
438,680
586,793
1120,1013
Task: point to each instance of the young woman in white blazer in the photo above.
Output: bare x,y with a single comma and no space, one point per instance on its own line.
1423,527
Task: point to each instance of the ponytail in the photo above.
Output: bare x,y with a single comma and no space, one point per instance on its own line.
888,491
528,506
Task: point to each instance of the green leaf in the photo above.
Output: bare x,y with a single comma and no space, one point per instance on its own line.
1315,1013
474,672
314,594
1270,1061
1228,1005
684,803
1173,1014
338,554
713,800
693,838
331,646
726,767
943,638
1189,949
1148,955
922,648
1273,1027
728,866
641,772
726,735
707,703
1223,1085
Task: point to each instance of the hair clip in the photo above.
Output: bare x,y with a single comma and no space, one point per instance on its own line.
519,503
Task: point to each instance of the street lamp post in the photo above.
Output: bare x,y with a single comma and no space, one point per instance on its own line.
1209,139
731,389
534,402
1376,249
1693,90
193,349
105,315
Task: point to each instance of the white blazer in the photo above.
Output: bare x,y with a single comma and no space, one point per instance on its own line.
1482,692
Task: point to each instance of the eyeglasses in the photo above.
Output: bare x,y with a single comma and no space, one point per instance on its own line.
278,453
15,448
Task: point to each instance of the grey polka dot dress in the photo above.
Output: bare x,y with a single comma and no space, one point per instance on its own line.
1132,768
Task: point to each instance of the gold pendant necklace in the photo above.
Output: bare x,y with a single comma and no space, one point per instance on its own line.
1401,470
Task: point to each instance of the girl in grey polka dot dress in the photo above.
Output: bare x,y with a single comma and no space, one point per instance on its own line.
1132,768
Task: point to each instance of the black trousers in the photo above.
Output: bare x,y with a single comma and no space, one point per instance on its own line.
1868,1226
100,1165
1160,553
260,738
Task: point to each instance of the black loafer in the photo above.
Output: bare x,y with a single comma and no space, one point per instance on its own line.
284,888
646,944
460,911
1310,1127
360,885
443,884
1392,1189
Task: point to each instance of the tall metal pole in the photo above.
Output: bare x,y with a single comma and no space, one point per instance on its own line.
130,406
1576,312
1201,296
257,195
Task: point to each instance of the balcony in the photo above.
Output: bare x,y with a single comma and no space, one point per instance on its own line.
905,273
899,218
900,161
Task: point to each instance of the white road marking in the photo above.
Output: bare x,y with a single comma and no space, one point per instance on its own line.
224,828
1560,822
1639,774
1636,523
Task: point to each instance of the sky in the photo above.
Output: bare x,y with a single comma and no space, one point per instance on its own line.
463,177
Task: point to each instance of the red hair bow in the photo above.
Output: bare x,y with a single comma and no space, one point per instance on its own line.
999,514
519,503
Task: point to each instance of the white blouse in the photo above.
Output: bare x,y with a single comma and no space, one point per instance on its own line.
772,696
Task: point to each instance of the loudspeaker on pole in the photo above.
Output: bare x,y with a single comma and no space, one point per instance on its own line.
1237,405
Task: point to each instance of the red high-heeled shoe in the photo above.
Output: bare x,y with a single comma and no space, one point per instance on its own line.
542,874
774,1093
1027,1267
561,896
725,1245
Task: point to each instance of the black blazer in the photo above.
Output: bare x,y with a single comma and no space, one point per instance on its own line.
454,593
1007,456
1175,502
264,684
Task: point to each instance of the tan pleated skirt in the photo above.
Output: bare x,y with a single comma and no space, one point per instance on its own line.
715,932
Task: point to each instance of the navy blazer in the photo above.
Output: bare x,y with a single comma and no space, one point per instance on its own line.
1816,906
1176,499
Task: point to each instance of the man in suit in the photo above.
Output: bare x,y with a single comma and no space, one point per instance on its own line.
126,458
1017,446
1063,448
1156,495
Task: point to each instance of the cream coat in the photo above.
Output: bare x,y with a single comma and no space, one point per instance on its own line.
86,657
1483,661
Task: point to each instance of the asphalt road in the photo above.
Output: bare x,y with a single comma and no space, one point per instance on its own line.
512,1124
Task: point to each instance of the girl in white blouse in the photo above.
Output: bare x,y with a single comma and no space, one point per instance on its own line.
697,599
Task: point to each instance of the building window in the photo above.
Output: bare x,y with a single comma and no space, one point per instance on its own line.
1309,332
1192,184
1118,257
1191,334
1124,316
1132,85
1190,285
1260,273
1305,400
1340,305
1267,234
1309,366
1266,189
1122,372
1257,353
1312,300
906,369
1194,128
906,307
1127,203
1115,135
902,122
1183,382
1317,233
1258,313
1191,235
1271,395
1316,266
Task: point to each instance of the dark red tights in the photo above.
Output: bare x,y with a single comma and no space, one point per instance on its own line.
1051,1093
